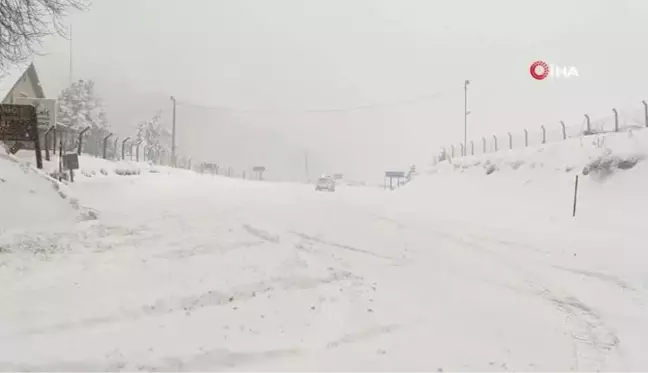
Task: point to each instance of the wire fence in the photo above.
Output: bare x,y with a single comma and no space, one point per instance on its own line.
619,121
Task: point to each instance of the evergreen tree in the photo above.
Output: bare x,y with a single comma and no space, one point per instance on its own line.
78,108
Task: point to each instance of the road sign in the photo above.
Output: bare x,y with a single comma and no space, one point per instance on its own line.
258,169
71,161
395,174
45,110
19,123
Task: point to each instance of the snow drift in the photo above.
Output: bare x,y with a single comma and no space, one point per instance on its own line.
30,198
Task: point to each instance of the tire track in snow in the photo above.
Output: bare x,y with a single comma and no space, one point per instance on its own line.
217,359
593,339
344,247
212,298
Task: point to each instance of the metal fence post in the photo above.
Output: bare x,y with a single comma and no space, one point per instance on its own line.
123,147
526,138
115,147
495,141
462,150
81,139
645,104
564,130
472,147
452,151
105,144
544,134
47,144
588,124
616,120
510,140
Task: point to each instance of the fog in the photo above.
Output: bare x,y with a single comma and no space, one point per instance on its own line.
356,87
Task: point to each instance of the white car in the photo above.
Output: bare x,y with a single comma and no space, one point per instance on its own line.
325,183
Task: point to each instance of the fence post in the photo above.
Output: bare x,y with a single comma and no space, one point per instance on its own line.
472,147
115,147
616,120
510,141
123,147
484,145
495,141
47,144
564,130
452,151
544,134
645,104
588,123
526,138
462,150
575,196
81,139
105,144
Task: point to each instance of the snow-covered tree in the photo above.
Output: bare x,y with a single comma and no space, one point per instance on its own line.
78,108
155,138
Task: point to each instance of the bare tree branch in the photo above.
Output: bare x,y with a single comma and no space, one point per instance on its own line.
24,23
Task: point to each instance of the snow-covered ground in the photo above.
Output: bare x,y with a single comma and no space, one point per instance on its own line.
459,270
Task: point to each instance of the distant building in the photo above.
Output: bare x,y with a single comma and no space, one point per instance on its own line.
20,81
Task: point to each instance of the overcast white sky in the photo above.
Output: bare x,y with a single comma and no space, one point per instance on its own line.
274,60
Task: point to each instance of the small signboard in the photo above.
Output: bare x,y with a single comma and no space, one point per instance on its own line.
71,161
210,167
391,175
258,169
18,123
395,174
338,176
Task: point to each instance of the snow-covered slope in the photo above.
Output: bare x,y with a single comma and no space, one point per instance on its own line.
29,198
458,270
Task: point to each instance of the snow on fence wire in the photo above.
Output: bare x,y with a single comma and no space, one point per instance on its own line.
619,120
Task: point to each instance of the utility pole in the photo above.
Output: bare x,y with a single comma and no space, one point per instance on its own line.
71,76
173,134
306,165
466,83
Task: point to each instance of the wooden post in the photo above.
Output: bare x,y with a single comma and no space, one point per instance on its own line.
575,196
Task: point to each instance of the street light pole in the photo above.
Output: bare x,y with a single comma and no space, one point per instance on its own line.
466,113
173,134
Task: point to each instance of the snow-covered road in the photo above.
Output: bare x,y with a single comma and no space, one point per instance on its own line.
206,273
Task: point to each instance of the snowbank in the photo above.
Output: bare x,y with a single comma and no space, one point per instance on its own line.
90,166
30,198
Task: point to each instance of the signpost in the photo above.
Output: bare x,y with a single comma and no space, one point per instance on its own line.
391,175
19,123
259,171
211,167
71,163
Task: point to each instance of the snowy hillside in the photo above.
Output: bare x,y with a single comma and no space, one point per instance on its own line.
29,198
459,270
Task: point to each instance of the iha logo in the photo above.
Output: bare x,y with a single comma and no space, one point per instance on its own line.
541,70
